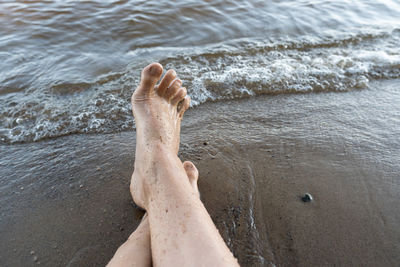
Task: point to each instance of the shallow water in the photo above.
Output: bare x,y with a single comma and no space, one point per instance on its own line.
70,67
67,198
328,125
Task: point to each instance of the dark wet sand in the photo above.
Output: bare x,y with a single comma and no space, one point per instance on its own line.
65,202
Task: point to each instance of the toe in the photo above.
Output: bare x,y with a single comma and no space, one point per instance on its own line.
166,82
179,96
173,89
191,172
150,75
193,175
183,106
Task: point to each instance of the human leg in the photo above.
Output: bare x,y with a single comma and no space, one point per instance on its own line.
182,232
136,251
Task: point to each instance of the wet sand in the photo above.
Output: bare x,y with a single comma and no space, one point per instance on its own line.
65,201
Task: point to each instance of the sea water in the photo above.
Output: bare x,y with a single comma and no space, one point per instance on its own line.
69,67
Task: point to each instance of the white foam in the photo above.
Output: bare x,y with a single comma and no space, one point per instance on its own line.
210,74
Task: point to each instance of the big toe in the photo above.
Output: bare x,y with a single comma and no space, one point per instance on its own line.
150,76
192,173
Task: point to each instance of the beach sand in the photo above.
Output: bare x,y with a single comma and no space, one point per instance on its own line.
66,201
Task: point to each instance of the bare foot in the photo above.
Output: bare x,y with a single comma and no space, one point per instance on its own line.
158,111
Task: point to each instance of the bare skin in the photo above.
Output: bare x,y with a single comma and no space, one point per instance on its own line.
136,251
181,231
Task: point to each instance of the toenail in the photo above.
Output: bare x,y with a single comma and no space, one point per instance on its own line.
154,70
151,70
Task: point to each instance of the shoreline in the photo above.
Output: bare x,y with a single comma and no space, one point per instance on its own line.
74,207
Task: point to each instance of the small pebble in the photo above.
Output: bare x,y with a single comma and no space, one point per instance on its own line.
307,197
35,258
81,185
22,188
32,252
205,143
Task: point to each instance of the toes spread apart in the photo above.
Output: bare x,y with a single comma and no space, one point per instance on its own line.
179,96
173,89
166,82
169,88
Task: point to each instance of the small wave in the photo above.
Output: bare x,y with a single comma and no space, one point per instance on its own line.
231,70
308,65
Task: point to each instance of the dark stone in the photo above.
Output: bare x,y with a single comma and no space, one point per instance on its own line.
307,198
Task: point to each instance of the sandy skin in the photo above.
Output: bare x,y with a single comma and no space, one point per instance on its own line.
136,251
181,230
